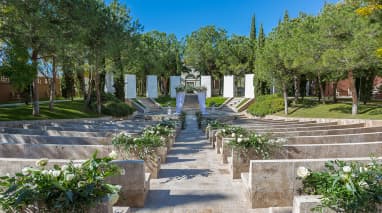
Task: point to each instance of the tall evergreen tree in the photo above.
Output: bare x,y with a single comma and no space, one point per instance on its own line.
253,33
261,38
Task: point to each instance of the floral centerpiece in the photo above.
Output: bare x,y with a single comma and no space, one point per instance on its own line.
263,146
142,147
233,132
158,130
345,187
75,187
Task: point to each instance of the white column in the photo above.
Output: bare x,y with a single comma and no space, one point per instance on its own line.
249,87
174,83
152,86
205,81
109,83
130,86
229,86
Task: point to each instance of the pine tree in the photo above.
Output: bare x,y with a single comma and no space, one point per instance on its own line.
253,32
261,39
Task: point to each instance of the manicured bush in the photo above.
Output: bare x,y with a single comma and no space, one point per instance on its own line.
215,101
265,105
117,109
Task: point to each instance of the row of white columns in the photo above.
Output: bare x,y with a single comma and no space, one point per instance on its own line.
175,81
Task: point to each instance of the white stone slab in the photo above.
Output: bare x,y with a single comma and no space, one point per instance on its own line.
249,87
130,86
229,86
109,83
174,83
152,86
205,81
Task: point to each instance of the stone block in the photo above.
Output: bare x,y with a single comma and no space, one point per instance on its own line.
174,83
152,86
130,86
305,204
205,81
229,86
249,86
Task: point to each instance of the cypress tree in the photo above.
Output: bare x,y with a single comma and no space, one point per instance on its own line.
261,39
253,32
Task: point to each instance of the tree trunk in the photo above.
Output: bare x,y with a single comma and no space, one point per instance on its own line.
165,85
90,89
354,95
296,88
321,88
81,80
335,91
98,92
285,93
52,85
35,98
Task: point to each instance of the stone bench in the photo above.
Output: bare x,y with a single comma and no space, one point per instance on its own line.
42,139
345,138
135,182
274,183
324,127
53,151
328,132
239,161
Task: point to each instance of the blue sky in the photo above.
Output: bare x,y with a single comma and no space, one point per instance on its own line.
182,17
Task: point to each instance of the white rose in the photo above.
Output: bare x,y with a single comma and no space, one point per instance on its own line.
64,167
363,169
56,173
26,171
223,130
77,165
302,172
113,155
42,162
240,136
346,169
239,140
233,135
69,177
45,172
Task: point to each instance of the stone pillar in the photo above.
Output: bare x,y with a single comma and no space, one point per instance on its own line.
109,83
130,86
205,81
174,83
152,86
249,87
229,86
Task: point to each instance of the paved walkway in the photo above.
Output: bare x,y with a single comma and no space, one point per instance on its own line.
193,180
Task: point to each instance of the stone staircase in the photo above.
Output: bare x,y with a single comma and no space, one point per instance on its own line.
150,106
191,102
232,104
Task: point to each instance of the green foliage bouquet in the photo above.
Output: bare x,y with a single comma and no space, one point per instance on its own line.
158,130
75,187
262,145
143,147
233,131
345,187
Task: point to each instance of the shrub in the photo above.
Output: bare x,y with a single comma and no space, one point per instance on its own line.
345,187
265,105
68,188
158,130
215,101
117,109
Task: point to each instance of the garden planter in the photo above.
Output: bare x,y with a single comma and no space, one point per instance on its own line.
240,161
226,150
152,166
162,153
218,143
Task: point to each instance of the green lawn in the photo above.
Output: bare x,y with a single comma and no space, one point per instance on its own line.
165,101
338,110
64,110
217,101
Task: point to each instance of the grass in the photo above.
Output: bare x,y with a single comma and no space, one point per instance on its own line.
339,110
242,102
217,101
165,101
64,110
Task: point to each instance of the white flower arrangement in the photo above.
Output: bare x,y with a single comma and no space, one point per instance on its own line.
302,172
113,155
346,169
42,162
233,135
69,177
26,171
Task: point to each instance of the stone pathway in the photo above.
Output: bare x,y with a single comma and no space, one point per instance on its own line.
193,180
